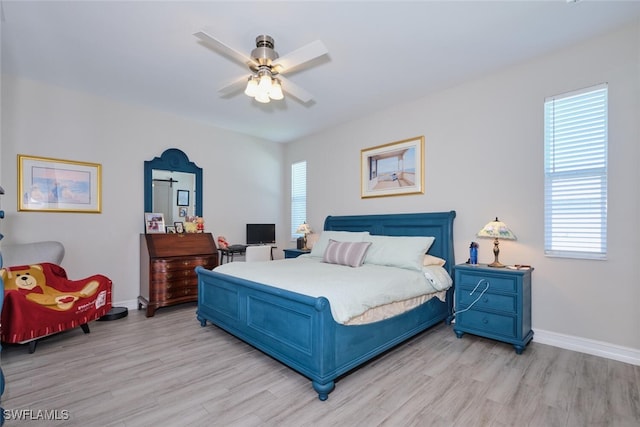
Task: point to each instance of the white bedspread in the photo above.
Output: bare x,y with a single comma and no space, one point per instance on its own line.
350,291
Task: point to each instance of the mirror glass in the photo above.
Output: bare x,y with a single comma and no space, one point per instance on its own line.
173,186
173,194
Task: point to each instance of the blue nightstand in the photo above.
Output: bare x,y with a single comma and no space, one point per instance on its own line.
295,253
494,303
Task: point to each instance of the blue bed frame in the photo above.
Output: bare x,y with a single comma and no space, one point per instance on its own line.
299,330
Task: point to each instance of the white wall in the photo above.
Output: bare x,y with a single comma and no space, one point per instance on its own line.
484,158
242,176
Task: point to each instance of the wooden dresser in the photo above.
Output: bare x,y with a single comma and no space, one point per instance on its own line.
167,263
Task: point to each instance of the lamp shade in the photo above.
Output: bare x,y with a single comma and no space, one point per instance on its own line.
497,229
252,87
304,229
263,98
276,90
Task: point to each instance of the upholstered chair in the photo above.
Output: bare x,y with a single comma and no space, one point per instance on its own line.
39,298
258,253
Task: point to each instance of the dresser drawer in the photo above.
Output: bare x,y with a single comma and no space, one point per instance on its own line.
178,263
173,275
490,323
470,279
496,302
169,293
175,283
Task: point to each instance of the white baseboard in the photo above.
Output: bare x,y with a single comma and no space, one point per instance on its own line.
130,304
583,345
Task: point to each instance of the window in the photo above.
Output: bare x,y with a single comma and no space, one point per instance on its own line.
575,171
298,196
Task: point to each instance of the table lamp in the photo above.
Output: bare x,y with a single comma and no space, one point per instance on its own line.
496,229
304,229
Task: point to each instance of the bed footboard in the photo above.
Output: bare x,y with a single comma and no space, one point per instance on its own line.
299,330
293,328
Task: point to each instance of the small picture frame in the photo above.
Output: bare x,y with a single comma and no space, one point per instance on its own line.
171,229
179,227
183,197
182,212
154,223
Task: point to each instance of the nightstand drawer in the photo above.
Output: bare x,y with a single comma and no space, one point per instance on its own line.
496,302
490,323
469,280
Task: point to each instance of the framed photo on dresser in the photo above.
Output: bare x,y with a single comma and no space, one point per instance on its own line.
153,223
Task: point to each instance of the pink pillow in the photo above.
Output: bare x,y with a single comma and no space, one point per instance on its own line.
350,254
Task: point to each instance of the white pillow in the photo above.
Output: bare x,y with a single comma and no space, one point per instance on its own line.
340,236
398,251
438,277
350,254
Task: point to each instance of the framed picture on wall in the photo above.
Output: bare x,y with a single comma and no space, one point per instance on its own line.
56,185
183,197
393,169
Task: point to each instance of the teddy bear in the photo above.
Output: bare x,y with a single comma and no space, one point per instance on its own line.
190,225
31,281
222,242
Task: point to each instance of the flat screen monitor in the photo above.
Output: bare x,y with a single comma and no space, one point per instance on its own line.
261,234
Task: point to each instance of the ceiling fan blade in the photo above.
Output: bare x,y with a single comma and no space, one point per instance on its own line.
233,86
294,59
295,90
223,49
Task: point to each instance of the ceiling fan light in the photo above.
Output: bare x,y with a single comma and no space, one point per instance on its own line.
264,86
263,98
252,87
276,90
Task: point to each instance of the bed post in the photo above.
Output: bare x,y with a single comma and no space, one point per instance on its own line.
323,389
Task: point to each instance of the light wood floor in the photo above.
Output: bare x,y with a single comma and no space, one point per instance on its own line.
169,371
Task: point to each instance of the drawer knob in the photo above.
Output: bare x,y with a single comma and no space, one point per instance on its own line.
485,299
485,320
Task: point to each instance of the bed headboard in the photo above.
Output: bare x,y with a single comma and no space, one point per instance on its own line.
436,224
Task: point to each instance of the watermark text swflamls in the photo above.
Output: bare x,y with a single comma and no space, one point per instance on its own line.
37,414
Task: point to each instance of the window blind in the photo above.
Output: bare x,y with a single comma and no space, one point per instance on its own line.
298,196
575,163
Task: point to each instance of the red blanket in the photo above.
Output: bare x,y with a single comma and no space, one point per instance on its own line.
40,300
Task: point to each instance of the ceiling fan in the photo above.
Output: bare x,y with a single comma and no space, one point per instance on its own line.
266,81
